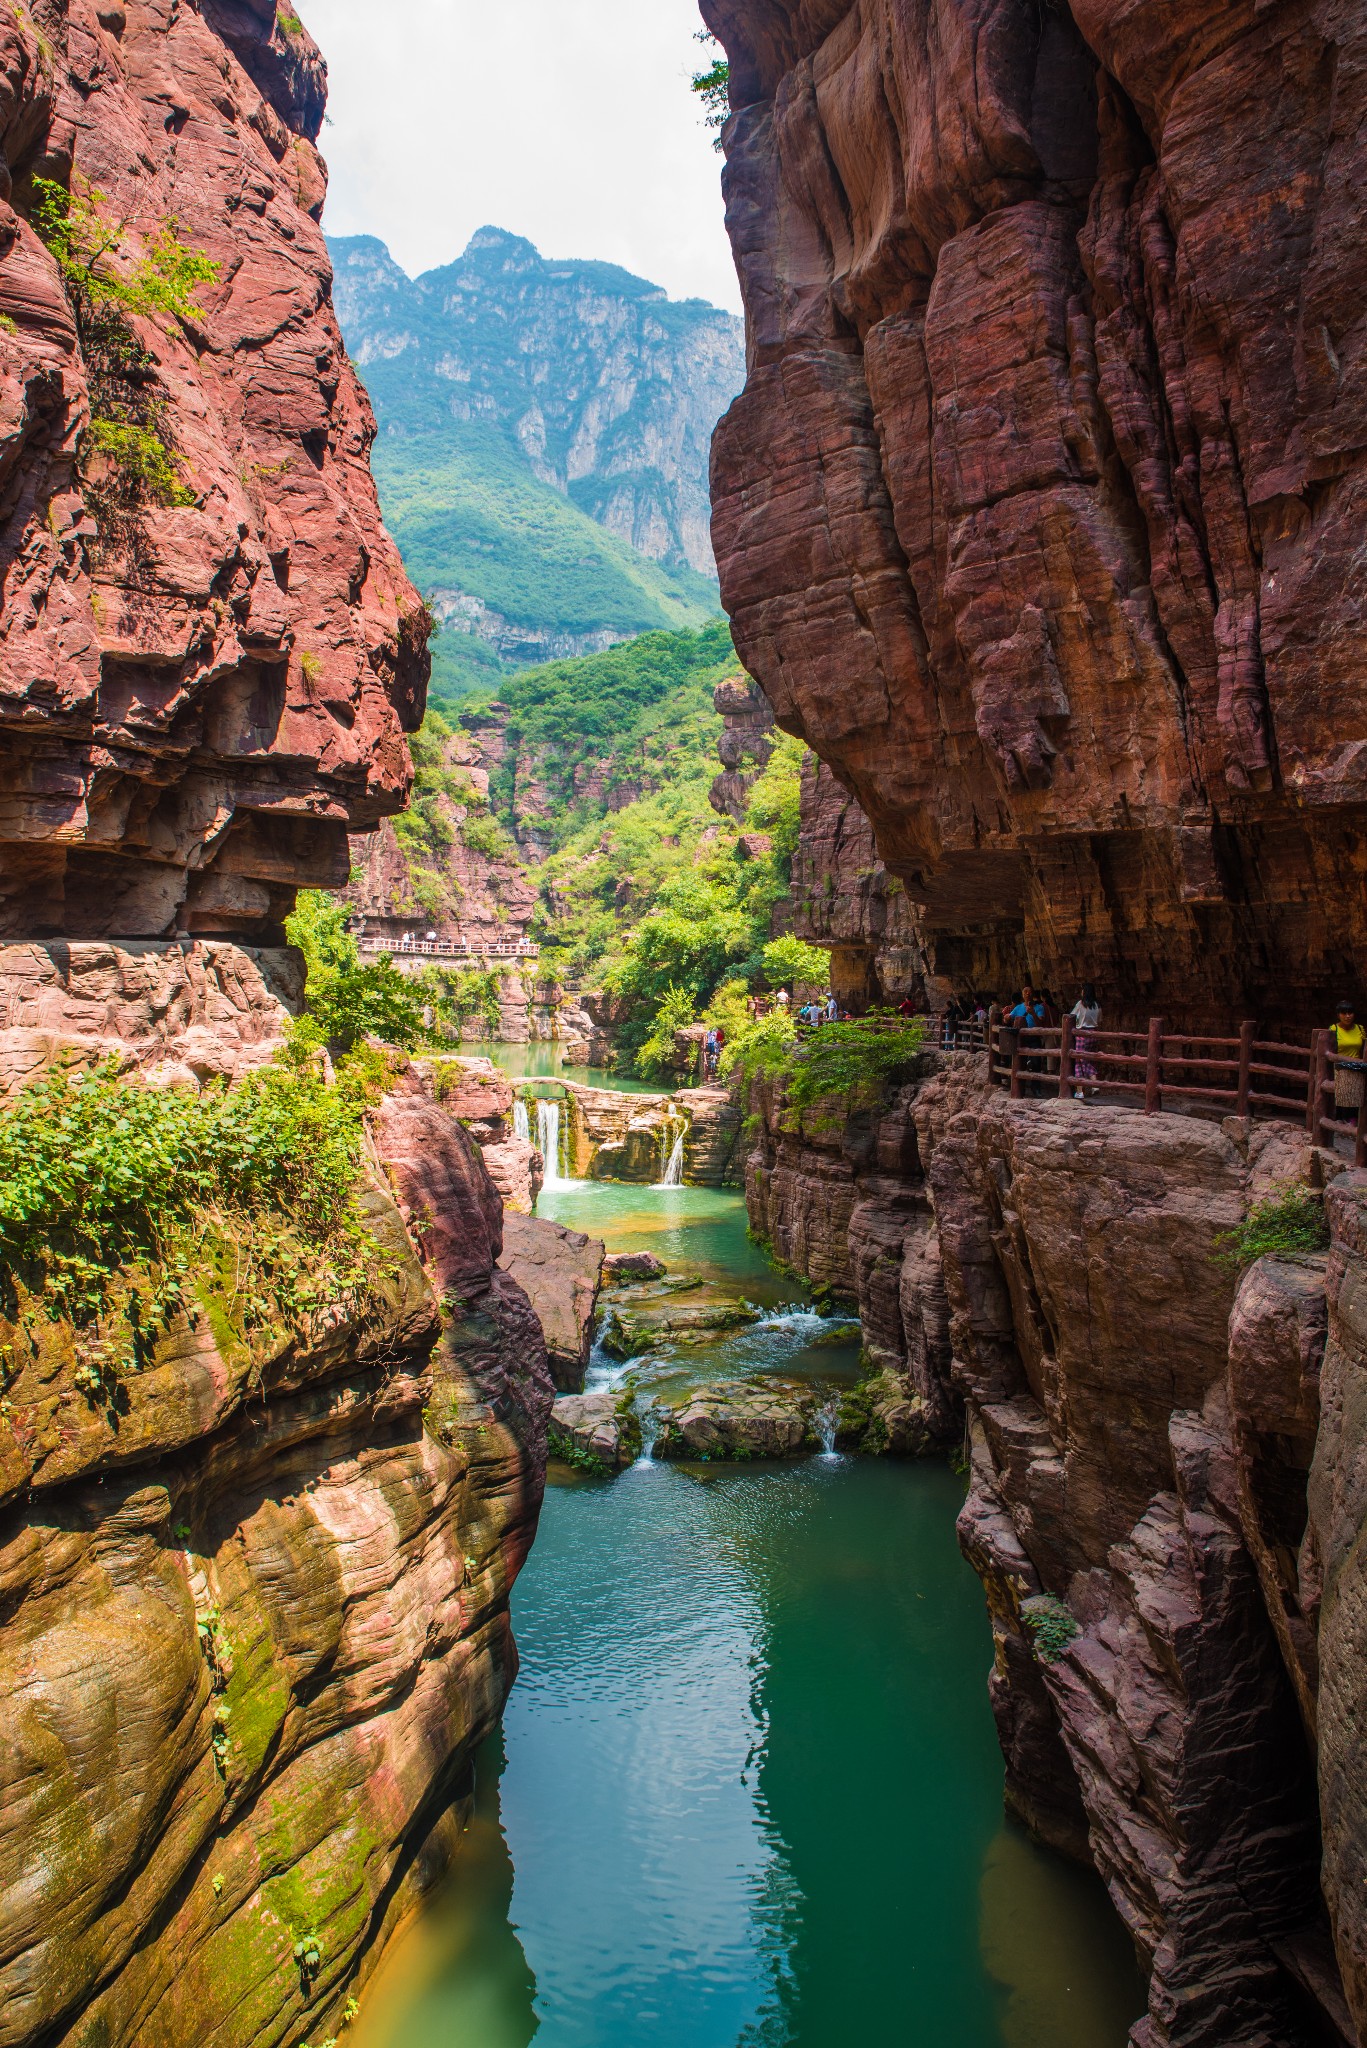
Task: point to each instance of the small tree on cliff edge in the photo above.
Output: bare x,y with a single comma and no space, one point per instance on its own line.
713,88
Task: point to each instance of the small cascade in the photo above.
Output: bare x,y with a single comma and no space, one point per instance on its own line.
826,1418
672,1134
521,1122
648,1415
553,1143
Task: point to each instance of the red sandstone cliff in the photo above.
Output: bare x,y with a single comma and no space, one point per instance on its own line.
205,673
1041,516
1172,1457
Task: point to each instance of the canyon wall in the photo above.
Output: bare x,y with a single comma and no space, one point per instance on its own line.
209,652
1041,514
256,1623
1164,1503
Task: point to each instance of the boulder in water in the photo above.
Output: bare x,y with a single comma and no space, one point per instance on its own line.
559,1270
622,1267
740,1420
595,1430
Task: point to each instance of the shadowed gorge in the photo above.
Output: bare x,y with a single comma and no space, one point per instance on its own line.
1040,516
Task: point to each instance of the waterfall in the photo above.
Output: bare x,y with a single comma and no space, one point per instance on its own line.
552,1142
672,1177
521,1124
826,1418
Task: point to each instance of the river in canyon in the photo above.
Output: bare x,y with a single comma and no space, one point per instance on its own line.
748,1792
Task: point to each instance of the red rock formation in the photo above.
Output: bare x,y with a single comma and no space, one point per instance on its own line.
255,1626
204,680
844,898
186,1013
1041,514
747,720
1142,1428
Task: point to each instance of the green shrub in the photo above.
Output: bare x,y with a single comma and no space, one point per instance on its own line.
165,280
763,1047
1051,1625
655,1058
560,1444
1288,1221
145,471
114,1195
347,1000
789,961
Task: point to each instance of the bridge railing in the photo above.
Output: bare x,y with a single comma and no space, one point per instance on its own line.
1247,1076
450,949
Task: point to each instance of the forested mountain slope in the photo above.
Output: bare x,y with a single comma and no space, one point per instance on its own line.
543,453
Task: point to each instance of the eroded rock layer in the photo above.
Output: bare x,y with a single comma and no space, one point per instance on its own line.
1165,1502
1041,514
209,652
255,1624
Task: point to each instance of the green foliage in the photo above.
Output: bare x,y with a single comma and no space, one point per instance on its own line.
775,804
347,1000
469,515
468,993
126,463
311,666
713,88
763,1047
655,1056
484,834
789,962
164,281
289,24
855,1061
1291,1220
113,1195
569,1451
645,887
145,470
1051,1626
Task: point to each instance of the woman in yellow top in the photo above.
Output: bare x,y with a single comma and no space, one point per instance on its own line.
1347,1039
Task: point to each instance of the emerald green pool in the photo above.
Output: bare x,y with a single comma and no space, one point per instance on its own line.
748,1793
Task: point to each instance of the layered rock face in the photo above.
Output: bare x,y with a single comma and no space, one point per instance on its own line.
844,898
1040,516
190,1013
209,652
255,1625
1165,1501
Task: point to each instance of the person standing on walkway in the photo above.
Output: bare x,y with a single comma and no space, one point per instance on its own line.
1346,1041
1087,1018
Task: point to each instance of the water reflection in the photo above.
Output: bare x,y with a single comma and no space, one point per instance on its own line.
1055,1947
753,1795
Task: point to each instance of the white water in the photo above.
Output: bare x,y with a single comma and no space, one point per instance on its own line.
552,1144
671,1175
826,1418
521,1125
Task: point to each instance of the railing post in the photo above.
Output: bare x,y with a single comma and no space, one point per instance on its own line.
1360,1142
1153,1069
1246,1030
1314,1108
1065,1057
1016,1068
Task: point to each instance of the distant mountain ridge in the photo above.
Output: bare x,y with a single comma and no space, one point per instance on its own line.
545,431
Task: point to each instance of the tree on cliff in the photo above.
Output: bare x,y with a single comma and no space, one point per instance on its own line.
713,88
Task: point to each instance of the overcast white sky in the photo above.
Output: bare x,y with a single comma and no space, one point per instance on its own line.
568,121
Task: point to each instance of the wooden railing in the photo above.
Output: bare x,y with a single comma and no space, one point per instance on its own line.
1246,1076
451,949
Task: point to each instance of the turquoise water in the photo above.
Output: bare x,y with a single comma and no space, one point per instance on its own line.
748,1793
541,1061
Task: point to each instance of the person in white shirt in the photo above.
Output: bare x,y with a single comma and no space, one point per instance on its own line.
1086,1014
